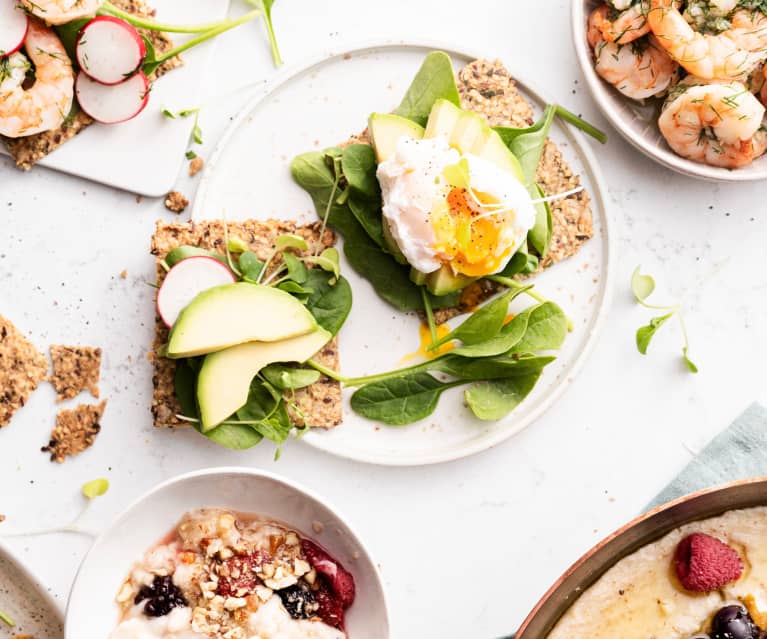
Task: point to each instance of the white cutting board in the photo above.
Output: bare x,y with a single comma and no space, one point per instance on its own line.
145,154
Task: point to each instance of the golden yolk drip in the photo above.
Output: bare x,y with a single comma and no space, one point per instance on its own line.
470,241
425,335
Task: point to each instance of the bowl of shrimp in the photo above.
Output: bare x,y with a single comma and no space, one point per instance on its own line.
682,80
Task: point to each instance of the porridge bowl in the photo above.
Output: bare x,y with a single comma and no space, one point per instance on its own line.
228,553
734,513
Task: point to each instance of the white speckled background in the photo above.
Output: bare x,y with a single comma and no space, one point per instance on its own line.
499,527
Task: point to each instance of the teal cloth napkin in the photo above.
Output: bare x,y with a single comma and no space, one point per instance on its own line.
738,452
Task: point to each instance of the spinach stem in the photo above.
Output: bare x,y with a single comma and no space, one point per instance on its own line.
223,26
580,123
512,283
152,25
429,315
379,377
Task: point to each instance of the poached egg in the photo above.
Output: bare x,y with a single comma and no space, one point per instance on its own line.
447,208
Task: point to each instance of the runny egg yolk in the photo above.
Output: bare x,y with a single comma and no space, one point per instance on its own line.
467,235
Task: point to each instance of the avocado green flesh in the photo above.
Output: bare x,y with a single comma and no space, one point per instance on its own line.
224,380
442,281
232,314
391,243
386,130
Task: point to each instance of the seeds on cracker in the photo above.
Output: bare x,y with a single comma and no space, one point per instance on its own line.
75,431
176,202
75,369
22,368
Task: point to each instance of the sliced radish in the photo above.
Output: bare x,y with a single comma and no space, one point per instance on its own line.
109,50
112,104
14,24
185,281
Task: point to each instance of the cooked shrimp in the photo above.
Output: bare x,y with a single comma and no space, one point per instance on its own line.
638,70
717,123
61,11
46,104
709,15
629,25
729,55
763,92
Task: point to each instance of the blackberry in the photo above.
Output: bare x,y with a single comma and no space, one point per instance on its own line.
298,601
734,622
161,597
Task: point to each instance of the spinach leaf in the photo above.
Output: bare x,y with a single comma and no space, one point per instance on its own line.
234,436
250,266
508,337
185,386
68,34
179,253
370,217
646,333
539,236
277,427
483,324
296,269
262,402
522,262
492,400
492,367
358,162
295,289
435,80
288,378
546,329
527,144
401,400
328,302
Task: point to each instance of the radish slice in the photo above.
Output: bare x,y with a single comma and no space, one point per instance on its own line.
185,281
13,27
112,104
109,50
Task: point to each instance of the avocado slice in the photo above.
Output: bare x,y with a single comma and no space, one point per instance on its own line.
390,243
470,133
496,151
442,281
443,117
224,379
235,313
385,131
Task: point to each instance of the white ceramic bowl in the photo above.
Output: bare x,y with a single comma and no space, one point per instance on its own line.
92,612
638,123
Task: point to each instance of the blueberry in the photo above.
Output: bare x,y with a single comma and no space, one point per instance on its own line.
298,601
161,597
733,622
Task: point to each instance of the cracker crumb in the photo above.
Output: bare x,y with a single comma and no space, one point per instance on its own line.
2,518
75,431
320,402
318,527
75,369
22,368
176,202
124,273
196,165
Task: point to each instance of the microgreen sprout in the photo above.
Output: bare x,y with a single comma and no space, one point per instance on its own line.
642,286
6,619
90,490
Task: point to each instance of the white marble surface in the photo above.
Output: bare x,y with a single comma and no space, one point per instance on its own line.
492,531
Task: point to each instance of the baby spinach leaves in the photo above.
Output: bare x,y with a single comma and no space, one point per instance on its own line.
642,286
492,400
435,80
330,302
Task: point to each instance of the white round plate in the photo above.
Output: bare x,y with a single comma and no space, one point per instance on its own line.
638,123
321,104
92,611
26,602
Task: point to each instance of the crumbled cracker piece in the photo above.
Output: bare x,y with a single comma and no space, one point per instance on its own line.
176,202
321,402
123,273
196,165
75,431
22,368
31,149
75,369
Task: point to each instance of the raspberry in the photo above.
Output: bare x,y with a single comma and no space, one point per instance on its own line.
703,563
340,580
237,576
330,609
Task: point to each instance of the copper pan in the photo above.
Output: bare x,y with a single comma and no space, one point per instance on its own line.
640,532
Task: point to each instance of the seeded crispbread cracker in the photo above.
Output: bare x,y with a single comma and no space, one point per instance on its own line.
22,368
29,150
320,402
486,87
75,431
75,369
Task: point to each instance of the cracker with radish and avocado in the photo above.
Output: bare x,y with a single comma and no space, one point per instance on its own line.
27,151
22,368
194,254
